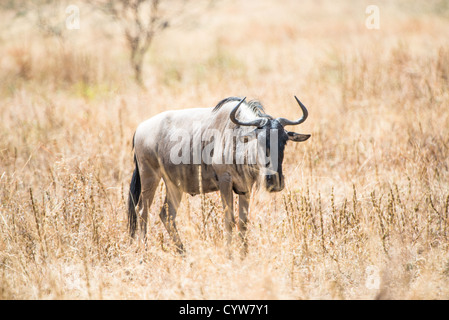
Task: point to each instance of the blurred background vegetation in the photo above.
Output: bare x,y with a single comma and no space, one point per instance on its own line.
370,188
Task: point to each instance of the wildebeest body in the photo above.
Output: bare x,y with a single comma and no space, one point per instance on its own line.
154,139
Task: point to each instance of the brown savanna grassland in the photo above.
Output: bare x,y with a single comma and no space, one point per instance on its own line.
365,211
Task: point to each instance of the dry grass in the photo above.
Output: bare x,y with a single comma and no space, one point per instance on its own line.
368,191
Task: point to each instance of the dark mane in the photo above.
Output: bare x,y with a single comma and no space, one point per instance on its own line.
253,105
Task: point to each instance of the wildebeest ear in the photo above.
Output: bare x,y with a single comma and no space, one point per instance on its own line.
297,137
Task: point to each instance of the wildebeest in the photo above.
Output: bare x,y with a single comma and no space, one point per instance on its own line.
227,148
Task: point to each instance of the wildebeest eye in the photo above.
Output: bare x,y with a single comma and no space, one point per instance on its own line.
246,137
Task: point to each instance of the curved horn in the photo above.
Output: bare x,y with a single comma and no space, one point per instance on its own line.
257,122
305,113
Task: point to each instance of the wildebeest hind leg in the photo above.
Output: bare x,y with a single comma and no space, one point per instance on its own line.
172,200
150,181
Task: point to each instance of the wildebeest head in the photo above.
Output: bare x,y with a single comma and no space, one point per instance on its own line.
272,138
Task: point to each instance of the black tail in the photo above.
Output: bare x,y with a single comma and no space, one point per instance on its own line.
134,194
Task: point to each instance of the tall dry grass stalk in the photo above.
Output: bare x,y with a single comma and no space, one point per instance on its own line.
369,190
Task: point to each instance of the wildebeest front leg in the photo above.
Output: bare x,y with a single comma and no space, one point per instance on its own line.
168,214
225,186
243,220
